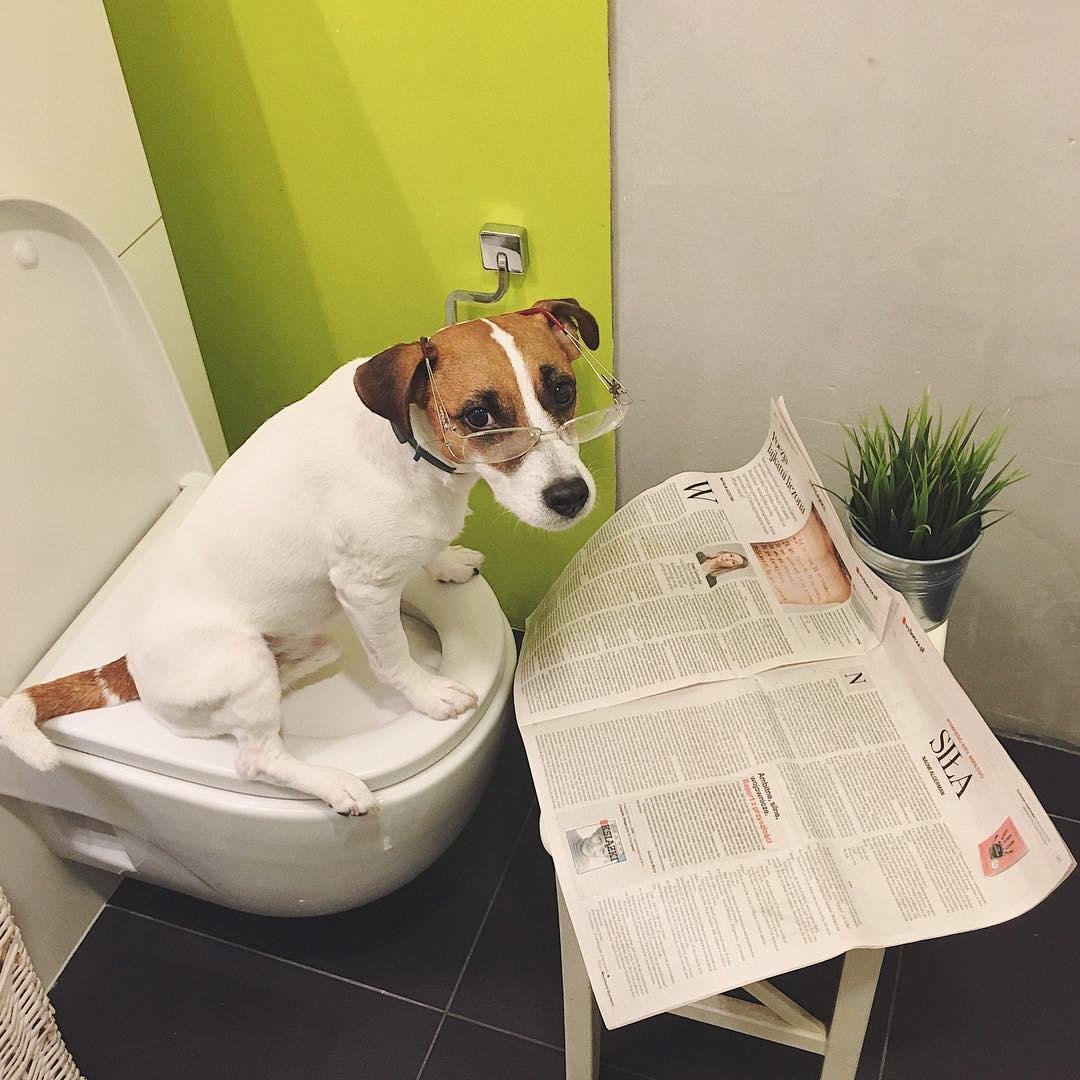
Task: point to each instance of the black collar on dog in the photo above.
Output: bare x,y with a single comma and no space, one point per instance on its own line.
429,353
420,453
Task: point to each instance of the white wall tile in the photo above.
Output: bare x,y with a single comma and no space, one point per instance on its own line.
67,132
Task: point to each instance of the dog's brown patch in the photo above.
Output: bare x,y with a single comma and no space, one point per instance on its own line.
82,690
72,693
118,680
387,382
472,371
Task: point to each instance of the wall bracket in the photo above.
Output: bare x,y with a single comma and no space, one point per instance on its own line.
504,248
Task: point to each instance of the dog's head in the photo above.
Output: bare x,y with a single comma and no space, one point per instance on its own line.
510,371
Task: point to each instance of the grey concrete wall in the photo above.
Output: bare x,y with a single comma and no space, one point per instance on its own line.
842,203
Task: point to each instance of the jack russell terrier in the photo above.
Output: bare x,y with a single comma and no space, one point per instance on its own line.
337,502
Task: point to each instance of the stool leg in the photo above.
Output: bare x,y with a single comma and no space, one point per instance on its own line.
854,999
581,1018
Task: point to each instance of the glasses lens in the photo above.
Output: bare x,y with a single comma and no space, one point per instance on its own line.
502,444
592,425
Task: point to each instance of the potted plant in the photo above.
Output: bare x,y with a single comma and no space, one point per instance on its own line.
920,499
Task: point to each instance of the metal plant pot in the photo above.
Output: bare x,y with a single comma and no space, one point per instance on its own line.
928,585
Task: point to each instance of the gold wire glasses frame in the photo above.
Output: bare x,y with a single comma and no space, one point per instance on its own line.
492,446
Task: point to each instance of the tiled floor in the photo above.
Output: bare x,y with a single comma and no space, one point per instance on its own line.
456,977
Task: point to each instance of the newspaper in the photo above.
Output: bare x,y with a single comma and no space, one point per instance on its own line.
748,755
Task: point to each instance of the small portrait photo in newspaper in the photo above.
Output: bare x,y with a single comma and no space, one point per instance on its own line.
723,562
594,846
805,569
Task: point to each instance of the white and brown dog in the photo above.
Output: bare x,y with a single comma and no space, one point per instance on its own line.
324,508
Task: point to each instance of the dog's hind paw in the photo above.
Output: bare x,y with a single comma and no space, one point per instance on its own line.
456,564
441,698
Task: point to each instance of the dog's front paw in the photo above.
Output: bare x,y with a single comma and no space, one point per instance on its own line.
441,698
457,564
351,798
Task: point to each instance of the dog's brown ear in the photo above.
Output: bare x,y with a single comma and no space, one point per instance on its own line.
573,316
387,383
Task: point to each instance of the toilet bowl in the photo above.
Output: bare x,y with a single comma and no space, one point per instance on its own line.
97,506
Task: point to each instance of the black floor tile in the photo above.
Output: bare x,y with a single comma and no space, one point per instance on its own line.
674,1048
465,1051
514,978
1054,774
413,942
141,1000
999,1002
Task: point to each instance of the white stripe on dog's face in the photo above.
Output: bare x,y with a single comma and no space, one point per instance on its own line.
534,411
549,463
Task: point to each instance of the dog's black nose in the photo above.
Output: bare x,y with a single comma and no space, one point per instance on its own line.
567,497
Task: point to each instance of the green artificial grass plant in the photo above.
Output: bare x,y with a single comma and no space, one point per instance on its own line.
921,492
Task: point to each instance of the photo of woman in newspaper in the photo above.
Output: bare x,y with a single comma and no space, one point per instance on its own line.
592,847
720,560
805,569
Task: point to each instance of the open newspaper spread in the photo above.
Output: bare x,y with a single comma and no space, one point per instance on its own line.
749,757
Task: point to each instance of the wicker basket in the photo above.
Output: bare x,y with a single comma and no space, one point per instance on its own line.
30,1044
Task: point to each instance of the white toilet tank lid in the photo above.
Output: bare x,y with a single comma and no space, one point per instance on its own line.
94,431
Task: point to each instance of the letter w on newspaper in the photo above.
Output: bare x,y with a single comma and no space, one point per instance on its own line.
749,757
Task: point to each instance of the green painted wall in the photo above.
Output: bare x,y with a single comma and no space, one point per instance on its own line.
324,167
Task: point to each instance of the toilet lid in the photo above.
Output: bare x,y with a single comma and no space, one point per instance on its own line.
94,431
341,717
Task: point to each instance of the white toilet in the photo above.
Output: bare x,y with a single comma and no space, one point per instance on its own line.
99,463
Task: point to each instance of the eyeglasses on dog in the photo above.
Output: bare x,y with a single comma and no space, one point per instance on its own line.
494,446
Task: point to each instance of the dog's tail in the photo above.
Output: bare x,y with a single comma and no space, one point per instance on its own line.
23,711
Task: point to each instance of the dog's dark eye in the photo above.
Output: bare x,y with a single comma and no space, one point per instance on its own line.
563,393
477,417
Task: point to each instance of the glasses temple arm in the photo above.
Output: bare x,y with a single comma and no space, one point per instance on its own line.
444,417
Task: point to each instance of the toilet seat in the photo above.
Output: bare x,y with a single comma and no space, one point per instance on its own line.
342,717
